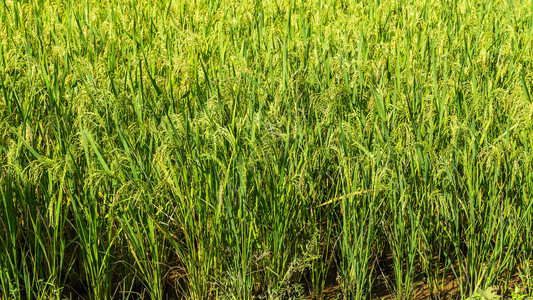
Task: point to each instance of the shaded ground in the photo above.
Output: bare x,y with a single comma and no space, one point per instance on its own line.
380,290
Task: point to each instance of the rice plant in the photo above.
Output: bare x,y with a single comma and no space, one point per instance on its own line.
289,149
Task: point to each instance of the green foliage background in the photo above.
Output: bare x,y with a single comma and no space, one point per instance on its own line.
217,149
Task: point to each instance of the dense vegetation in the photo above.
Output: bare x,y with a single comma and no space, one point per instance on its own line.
218,149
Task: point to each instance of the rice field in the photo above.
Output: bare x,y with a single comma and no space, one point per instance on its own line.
275,149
